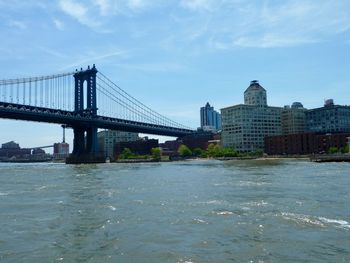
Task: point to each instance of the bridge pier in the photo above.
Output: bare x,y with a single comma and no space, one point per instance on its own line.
85,148
91,140
79,141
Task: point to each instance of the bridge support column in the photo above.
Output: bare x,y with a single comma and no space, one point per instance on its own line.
91,141
79,141
85,146
85,149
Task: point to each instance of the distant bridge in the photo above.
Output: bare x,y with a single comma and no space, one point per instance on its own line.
72,99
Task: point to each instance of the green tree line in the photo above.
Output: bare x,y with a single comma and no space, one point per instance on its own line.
214,151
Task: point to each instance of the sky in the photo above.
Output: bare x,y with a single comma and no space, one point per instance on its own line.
175,56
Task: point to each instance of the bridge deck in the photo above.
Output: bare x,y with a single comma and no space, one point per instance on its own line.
84,119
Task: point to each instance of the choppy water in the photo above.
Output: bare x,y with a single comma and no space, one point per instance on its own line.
197,211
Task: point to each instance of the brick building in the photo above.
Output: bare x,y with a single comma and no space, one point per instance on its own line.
141,147
304,143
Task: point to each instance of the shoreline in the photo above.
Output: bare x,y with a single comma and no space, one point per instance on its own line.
312,158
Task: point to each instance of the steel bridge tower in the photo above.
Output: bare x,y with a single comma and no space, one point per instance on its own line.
85,136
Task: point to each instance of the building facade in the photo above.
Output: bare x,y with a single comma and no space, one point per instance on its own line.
255,95
60,150
245,126
293,119
142,146
328,119
12,149
210,119
304,143
107,140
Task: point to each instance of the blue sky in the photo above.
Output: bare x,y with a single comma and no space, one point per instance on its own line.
176,55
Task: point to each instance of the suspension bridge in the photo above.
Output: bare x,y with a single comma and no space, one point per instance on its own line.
83,100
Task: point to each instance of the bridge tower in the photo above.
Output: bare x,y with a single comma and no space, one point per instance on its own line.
85,143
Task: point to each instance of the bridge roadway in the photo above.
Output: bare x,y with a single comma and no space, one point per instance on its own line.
84,119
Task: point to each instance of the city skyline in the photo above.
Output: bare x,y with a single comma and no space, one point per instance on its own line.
187,52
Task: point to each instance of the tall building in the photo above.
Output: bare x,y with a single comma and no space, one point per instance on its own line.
210,119
245,126
329,119
108,138
293,119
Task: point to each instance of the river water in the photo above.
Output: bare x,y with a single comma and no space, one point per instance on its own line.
193,211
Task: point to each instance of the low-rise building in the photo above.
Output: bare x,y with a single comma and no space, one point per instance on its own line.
142,146
304,143
328,119
12,149
107,139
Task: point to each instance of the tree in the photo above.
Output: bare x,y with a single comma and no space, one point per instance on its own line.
215,150
184,151
126,154
198,152
156,153
345,149
229,152
211,150
333,150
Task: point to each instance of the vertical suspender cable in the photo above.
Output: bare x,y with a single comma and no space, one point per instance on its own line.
11,92
24,93
30,92
41,93
35,92
17,95
50,91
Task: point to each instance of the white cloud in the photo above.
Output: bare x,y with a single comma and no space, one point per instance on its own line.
17,24
79,12
114,7
160,67
104,6
58,24
270,40
136,4
52,52
197,5
86,14
267,24
94,57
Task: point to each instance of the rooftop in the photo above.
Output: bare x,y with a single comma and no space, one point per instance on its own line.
254,85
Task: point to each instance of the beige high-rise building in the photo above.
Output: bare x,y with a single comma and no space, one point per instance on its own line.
244,126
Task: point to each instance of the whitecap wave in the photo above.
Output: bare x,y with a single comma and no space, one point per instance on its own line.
41,187
111,207
224,213
199,221
252,183
256,203
214,202
336,222
316,221
303,219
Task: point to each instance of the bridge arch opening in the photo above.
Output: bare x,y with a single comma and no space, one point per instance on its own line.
85,94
